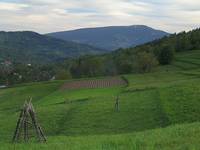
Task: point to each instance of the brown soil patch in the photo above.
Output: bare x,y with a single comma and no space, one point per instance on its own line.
95,83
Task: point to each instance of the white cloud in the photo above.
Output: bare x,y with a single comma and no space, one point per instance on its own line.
43,2
54,15
12,6
60,11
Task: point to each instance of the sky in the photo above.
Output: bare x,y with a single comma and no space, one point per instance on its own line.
45,16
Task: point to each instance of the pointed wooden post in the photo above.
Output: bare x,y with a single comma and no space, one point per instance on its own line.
117,103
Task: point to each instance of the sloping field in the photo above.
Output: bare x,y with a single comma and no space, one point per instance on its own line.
188,60
95,83
85,118
91,111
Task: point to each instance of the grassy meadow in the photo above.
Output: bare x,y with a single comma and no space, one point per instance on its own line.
158,110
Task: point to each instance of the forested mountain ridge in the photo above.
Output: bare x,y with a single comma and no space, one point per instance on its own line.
112,37
178,42
27,46
143,58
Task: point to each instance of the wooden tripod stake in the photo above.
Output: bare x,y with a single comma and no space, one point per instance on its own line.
28,113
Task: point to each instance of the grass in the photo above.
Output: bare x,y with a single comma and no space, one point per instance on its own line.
179,137
185,103
86,118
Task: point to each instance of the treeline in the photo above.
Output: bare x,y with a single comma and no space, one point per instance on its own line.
141,59
23,73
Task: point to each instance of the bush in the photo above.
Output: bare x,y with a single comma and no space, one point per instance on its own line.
145,62
63,75
166,55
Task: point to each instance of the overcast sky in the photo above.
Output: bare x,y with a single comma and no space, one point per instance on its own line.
56,15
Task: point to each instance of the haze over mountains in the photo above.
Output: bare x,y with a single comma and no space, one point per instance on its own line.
112,37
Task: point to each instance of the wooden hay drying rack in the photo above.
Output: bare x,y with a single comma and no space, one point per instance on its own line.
28,117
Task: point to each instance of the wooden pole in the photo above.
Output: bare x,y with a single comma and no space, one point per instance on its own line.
26,124
38,129
17,130
19,124
117,104
42,134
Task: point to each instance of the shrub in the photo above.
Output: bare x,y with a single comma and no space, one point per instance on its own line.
145,62
166,55
63,75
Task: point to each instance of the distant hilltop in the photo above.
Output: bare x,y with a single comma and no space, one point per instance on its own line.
111,37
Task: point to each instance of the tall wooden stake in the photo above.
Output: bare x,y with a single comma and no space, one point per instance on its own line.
117,104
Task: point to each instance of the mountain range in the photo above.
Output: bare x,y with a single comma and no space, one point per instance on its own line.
112,37
32,47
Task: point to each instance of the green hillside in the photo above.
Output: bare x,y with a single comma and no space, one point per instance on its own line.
86,118
31,47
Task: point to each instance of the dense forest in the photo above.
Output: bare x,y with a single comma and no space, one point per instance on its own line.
138,59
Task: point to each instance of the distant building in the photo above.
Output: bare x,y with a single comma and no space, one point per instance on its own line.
53,78
2,86
7,63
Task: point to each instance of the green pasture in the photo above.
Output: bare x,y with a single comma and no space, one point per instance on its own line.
158,110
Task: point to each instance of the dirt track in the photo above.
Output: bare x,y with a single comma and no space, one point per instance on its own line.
95,83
